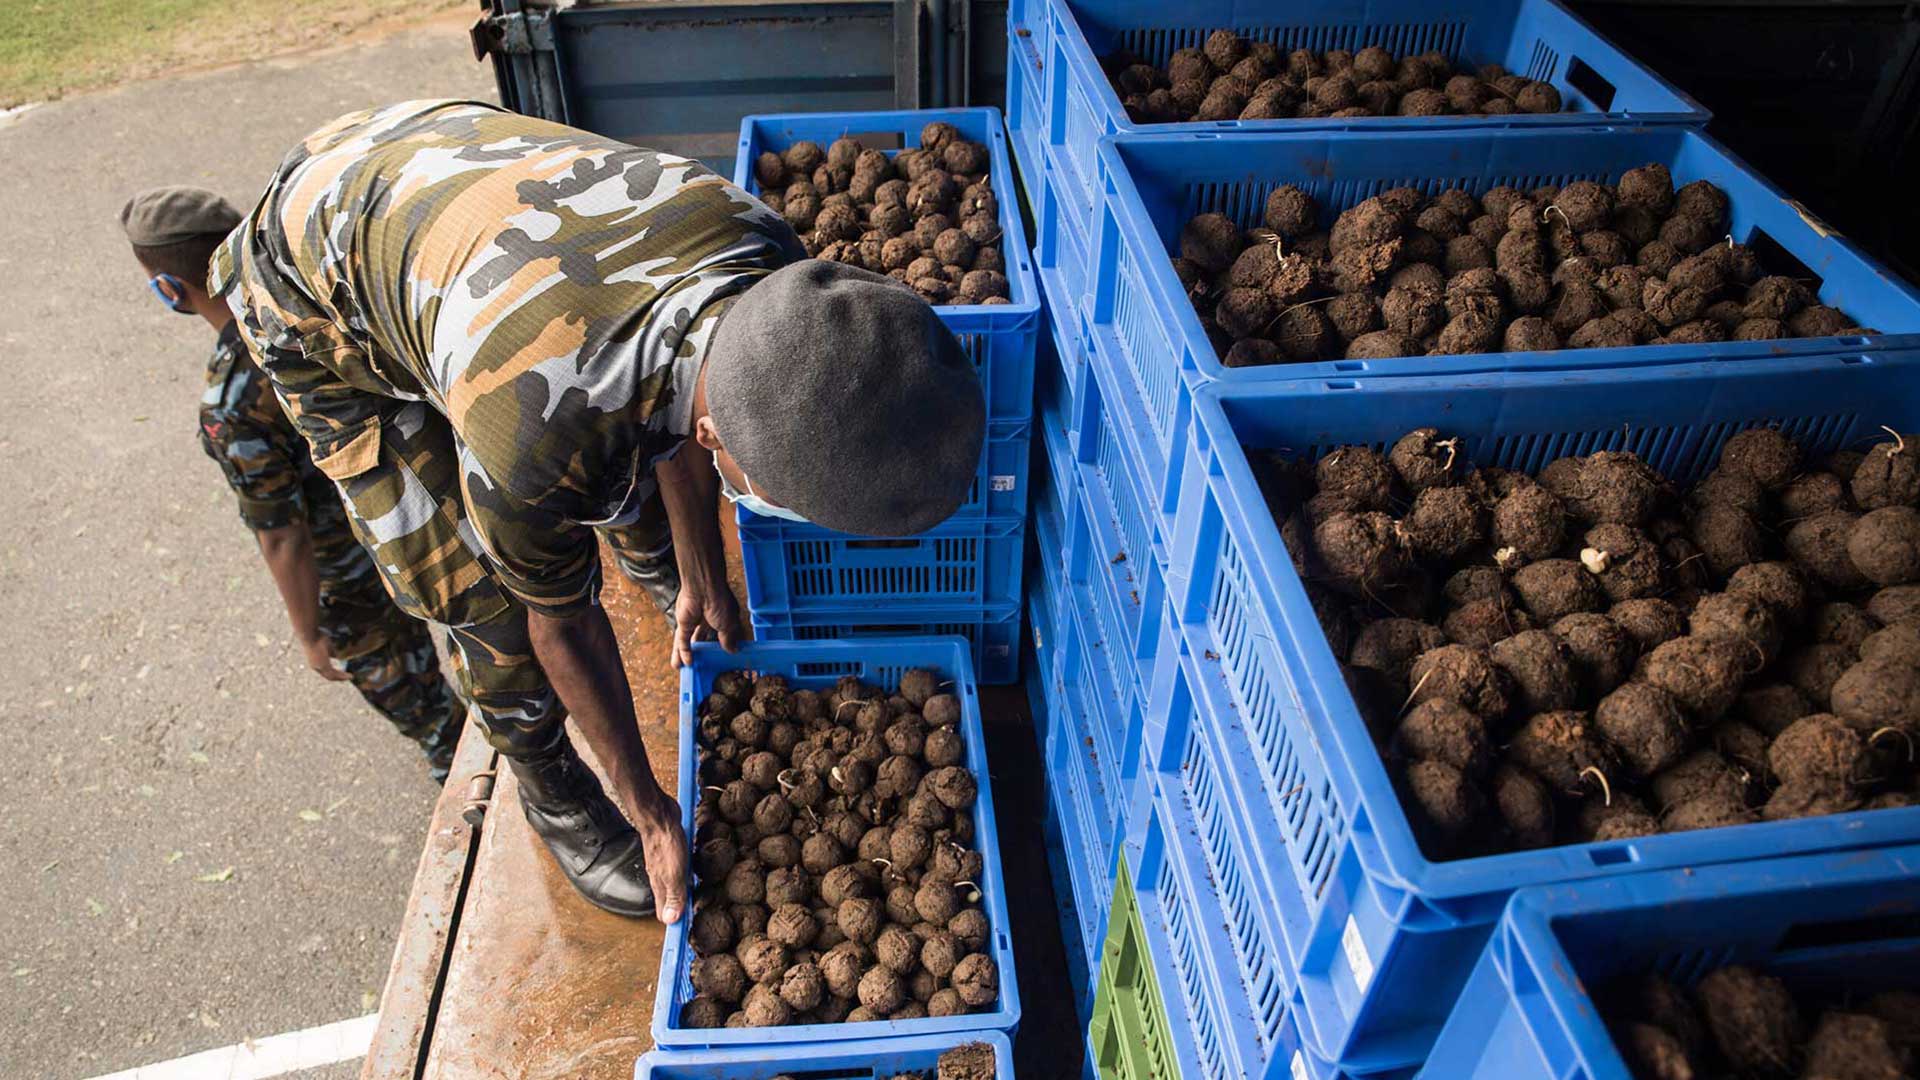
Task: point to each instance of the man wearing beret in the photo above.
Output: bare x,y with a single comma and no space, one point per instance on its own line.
499,333
346,626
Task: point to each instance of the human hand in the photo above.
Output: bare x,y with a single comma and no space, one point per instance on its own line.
319,654
664,843
704,612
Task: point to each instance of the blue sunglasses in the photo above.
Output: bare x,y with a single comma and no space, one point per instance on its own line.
176,302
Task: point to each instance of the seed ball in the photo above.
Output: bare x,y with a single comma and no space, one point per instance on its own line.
1480,623
1602,653
977,980
1895,604
1701,775
715,858
1812,494
719,977
1645,726
772,814
746,883
970,928
946,1002
1702,674
953,786
936,901
899,904
1554,588
711,931
1884,545
1820,751
703,1011
1815,669
1446,799
1706,812
788,885
925,810
1460,674
1880,693
1899,642
1446,732
1819,546
1524,805
1540,669
763,959
1290,212
1772,708
1468,332
780,850
1752,1018
1390,646
1212,242
841,968
792,925
1444,523
1561,748
820,853
844,883
908,846
1728,537
880,990
897,949
860,919
1530,521
1740,619
749,729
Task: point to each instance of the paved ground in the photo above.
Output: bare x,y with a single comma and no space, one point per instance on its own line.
163,891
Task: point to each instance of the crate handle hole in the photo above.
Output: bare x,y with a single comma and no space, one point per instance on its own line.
1613,856
1881,931
884,545
1592,85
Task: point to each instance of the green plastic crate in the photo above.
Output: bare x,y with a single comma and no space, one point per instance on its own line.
1129,1036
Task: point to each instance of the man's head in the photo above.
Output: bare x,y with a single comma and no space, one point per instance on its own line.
841,396
174,232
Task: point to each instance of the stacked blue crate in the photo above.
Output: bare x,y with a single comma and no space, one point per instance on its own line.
964,576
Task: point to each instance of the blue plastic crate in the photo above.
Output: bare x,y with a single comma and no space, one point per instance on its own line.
817,665
1142,323
1049,583
1000,337
1061,382
1382,938
1062,243
854,1059
1052,483
1826,925
992,635
1062,85
798,568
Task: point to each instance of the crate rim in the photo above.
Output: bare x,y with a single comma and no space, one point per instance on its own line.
1564,999
1387,848
1079,53
1024,289
1197,365
833,1051
955,657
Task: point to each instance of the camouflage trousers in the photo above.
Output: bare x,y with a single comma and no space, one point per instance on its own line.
405,500
388,654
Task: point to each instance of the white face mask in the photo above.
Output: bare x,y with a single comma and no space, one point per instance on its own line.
749,500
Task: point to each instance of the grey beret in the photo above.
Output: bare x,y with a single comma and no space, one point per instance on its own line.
846,400
167,215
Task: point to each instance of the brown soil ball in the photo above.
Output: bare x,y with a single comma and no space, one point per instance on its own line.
1752,1018
1480,623
772,814
881,990
900,904
715,858
1473,251
1703,674
720,977
970,928
1851,1044
1530,520
1879,693
1211,241
1645,725
1899,642
1625,562
844,883
953,786
1702,774
1724,486
946,1002
1252,352
1381,345
1353,316
936,901
1771,709
1476,583
1290,212
1359,550
1818,545
977,980
897,949
779,850
908,846
1424,102
1446,799
704,1012
897,777
788,885
941,711
926,811
1563,749
1813,493
1389,646
746,883
841,968
1415,313
906,736
860,919
1806,800
1764,454
1607,332
1444,523
1821,751
1728,537
1895,604
748,729
1530,334
711,931
1603,653
1614,488
1884,545
1540,668
1706,812
763,959
1463,675
1737,618
1554,588
1448,733
1468,332
1524,805
821,853
1423,459
940,952
1815,669
1777,585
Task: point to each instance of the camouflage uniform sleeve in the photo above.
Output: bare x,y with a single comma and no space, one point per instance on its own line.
262,466
549,563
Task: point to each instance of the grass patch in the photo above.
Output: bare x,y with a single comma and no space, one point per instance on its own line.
50,48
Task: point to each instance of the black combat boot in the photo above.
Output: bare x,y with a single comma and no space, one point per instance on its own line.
593,843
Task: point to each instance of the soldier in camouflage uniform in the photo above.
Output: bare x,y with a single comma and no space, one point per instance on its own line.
347,626
499,334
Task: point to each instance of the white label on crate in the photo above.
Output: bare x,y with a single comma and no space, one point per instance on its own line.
1037,643
999,650
1357,957
1299,1067
1005,483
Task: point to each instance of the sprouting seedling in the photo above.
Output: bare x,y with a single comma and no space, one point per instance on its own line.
1269,238
973,891
888,863
1452,447
1899,441
717,790
786,783
1506,555
1554,208
1595,560
1415,692
1606,789
1874,739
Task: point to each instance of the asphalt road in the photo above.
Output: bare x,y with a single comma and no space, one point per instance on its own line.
201,841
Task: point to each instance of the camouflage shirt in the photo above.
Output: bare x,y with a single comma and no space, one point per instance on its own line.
243,429
550,292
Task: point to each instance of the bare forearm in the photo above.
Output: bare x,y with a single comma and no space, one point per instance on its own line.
582,661
690,490
288,553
